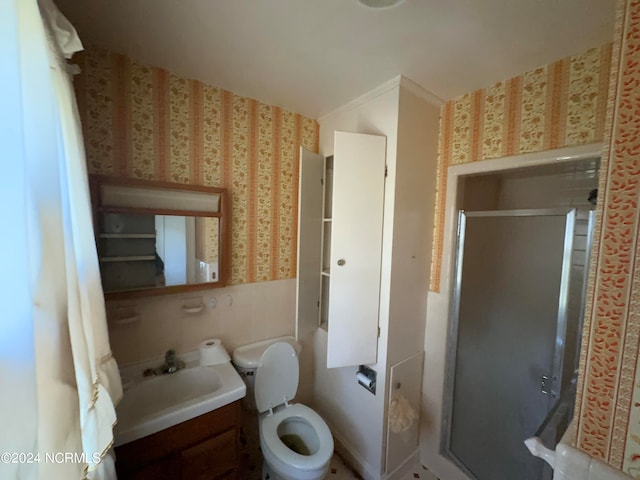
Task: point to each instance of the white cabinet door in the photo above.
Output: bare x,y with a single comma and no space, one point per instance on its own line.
309,242
356,248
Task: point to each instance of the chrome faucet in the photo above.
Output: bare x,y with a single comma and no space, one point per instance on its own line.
171,365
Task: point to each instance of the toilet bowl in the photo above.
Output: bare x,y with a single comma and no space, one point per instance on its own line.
295,441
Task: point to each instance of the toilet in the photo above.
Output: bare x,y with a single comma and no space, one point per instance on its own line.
295,441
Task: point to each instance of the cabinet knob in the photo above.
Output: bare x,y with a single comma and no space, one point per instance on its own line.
341,262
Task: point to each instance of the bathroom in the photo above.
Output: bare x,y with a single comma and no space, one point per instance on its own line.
143,122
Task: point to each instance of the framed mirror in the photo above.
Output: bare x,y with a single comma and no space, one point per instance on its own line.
156,238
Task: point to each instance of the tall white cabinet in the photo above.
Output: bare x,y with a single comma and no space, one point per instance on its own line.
381,154
340,245
356,248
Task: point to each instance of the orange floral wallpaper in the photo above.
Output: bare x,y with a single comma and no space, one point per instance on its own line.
608,406
557,105
144,122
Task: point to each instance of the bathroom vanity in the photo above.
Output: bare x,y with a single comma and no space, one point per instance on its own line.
205,447
180,425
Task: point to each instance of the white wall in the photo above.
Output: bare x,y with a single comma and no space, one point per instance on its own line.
258,311
415,179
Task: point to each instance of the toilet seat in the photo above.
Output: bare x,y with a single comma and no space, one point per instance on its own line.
276,383
276,379
270,439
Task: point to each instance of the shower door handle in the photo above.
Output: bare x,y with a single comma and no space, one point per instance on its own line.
546,385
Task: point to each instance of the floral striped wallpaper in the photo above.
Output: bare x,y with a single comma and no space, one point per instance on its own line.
557,105
608,402
144,122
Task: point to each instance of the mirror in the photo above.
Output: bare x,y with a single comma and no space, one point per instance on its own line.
156,237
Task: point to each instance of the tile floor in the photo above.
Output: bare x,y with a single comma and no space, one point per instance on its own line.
339,470
251,458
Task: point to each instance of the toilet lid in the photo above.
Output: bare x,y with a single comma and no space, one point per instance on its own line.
276,376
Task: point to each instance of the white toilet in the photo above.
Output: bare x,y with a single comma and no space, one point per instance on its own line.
295,440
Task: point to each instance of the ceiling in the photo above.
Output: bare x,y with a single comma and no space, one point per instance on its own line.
312,56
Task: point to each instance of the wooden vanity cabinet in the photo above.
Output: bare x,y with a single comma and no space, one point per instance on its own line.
205,447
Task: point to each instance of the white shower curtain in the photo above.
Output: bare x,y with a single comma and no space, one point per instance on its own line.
77,379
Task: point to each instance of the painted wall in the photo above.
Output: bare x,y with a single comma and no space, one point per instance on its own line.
557,105
144,122
242,314
414,176
608,408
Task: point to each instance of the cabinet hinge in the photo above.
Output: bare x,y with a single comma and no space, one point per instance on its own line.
378,331
386,171
322,181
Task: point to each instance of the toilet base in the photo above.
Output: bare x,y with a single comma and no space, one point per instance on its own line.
269,474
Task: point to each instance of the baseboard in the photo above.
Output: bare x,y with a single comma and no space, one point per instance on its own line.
353,459
404,468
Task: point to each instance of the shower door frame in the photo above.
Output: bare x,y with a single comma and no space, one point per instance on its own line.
454,311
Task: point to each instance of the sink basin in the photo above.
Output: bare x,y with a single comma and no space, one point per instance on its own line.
151,404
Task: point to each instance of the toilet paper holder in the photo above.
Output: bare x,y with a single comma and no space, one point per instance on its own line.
366,377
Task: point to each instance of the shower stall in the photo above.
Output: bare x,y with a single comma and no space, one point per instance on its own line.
515,328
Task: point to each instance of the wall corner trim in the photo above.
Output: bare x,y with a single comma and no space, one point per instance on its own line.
362,99
399,81
420,91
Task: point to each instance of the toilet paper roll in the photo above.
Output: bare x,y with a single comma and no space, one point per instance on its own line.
363,379
213,353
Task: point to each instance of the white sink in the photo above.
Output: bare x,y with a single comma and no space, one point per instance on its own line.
151,404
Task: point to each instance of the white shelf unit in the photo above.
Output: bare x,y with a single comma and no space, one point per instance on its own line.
325,252
127,250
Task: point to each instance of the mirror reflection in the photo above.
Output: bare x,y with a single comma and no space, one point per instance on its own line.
145,250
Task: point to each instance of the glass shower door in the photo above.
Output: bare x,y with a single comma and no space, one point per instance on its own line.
507,337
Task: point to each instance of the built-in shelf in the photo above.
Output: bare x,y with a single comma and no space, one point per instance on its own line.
325,253
127,235
130,258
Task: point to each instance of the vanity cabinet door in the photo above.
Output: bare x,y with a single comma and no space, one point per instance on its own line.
356,248
168,469
205,447
210,458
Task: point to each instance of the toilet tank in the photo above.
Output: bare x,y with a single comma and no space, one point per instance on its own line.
246,359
